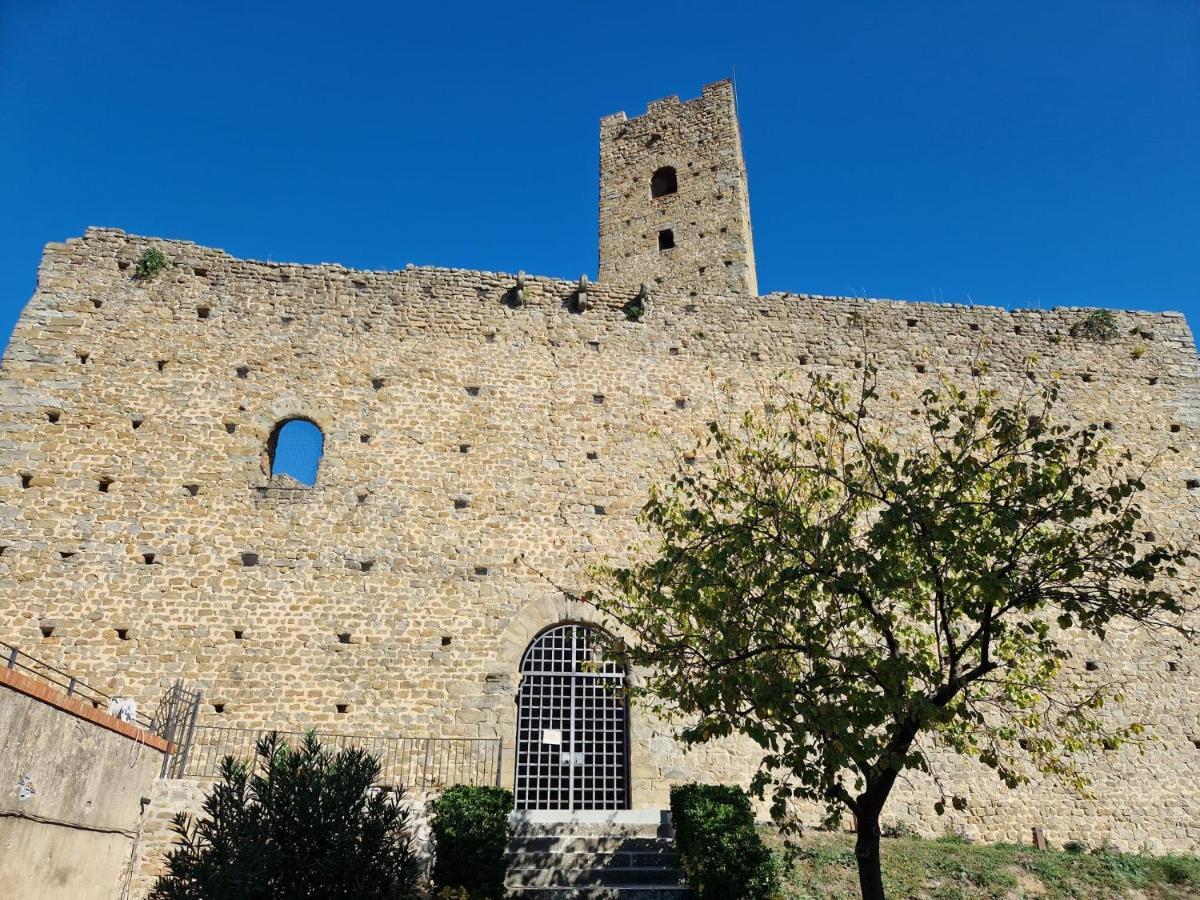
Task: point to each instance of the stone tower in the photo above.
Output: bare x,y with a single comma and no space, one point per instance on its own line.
674,205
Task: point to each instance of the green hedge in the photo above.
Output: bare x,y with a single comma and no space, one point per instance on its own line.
719,847
471,832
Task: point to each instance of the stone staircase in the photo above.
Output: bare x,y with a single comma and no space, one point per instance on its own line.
626,855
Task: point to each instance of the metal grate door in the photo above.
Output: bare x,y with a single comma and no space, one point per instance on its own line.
572,725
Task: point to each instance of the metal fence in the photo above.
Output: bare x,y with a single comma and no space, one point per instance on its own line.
20,661
416,763
174,720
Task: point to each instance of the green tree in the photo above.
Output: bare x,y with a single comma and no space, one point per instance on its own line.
307,824
846,581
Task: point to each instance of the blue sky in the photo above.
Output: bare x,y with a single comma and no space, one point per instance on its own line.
1015,153
298,449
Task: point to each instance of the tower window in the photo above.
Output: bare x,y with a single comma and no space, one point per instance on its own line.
666,239
663,182
294,449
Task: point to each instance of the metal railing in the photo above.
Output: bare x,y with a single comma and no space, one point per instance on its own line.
174,720
416,763
20,661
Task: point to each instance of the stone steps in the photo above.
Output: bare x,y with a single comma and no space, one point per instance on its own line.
590,843
590,857
593,859
618,876
627,892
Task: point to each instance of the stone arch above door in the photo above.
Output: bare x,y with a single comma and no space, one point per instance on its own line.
534,618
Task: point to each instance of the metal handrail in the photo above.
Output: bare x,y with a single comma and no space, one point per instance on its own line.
420,763
423,763
71,686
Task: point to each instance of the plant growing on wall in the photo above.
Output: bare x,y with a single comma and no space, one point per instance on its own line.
305,823
151,262
849,593
1097,325
635,309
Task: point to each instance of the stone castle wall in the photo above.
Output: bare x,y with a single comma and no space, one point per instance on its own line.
478,457
709,214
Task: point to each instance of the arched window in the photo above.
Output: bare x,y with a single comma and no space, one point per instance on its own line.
663,182
294,449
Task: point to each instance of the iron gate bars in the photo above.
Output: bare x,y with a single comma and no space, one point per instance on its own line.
572,725
175,720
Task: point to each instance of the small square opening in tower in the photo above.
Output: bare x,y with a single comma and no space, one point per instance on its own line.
663,182
666,239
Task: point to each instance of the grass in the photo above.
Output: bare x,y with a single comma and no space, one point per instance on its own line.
951,869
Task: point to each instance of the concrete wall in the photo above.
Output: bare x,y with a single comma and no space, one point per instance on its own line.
507,449
70,799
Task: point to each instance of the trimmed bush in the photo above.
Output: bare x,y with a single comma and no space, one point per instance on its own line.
471,832
719,847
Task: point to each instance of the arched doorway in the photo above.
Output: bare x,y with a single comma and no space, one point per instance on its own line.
572,724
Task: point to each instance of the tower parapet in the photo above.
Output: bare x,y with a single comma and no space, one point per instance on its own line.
674,202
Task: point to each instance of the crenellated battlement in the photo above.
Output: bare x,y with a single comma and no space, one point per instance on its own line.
674,200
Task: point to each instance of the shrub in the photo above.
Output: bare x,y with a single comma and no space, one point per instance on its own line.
1097,325
1179,869
471,832
151,263
719,847
898,829
307,824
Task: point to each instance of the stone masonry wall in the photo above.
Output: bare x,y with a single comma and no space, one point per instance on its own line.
709,215
478,457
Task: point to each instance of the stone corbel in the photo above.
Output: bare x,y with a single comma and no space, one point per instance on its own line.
636,308
518,293
581,295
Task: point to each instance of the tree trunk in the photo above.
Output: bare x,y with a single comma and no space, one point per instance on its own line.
866,851
867,807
